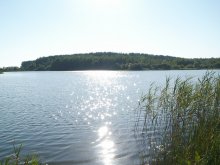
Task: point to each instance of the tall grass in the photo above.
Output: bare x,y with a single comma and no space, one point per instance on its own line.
15,158
180,123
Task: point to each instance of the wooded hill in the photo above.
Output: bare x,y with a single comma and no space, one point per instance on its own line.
117,61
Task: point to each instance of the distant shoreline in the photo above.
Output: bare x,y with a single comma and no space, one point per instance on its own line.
115,61
106,70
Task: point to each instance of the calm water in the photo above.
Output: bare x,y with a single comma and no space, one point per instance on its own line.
84,117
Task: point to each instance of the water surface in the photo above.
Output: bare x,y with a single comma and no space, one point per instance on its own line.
80,117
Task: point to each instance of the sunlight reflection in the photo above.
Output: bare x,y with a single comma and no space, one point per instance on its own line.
103,131
107,145
102,76
101,73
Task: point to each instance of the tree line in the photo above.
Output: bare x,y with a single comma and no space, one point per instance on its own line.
116,61
9,69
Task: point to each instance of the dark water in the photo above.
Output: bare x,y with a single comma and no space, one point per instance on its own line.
84,117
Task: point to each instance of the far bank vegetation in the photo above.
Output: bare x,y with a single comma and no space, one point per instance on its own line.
117,61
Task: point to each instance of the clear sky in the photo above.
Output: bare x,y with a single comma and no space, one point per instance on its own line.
34,28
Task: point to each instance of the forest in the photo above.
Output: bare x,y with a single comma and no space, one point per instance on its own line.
115,61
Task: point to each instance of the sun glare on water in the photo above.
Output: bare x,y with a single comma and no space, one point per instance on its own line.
102,77
107,145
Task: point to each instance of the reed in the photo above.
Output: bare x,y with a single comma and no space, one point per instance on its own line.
180,122
15,158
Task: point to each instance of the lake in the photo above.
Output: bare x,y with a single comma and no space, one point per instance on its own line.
78,117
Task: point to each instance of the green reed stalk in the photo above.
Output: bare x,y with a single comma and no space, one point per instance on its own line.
180,123
15,159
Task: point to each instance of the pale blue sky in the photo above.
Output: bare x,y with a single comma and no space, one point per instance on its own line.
34,28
